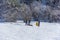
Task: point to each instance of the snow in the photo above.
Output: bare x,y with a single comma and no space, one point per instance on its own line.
20,31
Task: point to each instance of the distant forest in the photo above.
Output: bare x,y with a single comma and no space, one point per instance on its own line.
44,10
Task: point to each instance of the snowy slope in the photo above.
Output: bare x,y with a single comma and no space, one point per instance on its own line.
18,31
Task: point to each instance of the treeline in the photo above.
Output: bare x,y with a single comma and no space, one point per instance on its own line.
45,10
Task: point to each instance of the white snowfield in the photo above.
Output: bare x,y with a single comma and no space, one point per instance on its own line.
20,31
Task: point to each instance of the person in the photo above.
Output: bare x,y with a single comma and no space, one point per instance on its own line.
27,21
36,17
38,20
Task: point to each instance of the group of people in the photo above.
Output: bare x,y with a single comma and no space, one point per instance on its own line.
36,18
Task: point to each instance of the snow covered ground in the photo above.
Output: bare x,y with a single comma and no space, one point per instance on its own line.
20,31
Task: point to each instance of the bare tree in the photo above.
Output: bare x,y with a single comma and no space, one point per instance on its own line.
43,11
26,12
10,16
